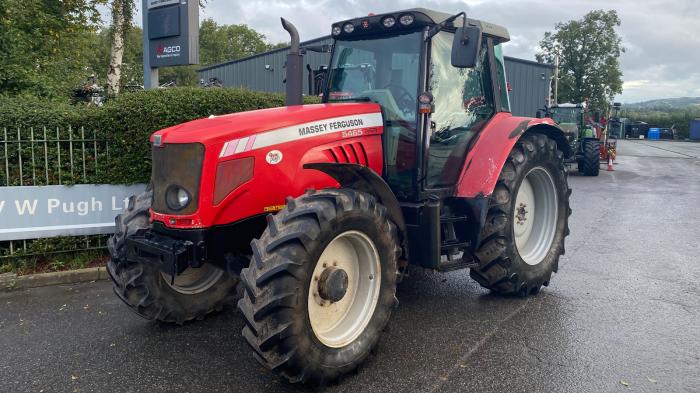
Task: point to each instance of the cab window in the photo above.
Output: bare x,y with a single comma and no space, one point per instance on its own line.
463,105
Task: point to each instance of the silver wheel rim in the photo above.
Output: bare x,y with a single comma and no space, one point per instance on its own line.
535,216
337,324
194,280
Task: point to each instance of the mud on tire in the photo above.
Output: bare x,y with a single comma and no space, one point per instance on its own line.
142,286
501,267
277,284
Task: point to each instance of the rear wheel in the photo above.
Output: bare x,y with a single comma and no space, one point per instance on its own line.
153,294
527,220
321,285
589,164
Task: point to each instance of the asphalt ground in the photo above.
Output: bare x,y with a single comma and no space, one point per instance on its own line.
622,314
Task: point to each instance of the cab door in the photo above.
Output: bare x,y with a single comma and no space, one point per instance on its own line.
464,104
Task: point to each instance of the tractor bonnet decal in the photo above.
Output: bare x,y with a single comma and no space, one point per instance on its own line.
344,125
273,157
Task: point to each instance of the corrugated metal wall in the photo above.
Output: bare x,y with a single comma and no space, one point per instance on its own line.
265,72
529,82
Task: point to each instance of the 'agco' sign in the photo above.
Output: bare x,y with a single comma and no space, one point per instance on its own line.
172,32
168,51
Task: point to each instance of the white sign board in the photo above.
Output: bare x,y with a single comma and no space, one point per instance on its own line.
48,211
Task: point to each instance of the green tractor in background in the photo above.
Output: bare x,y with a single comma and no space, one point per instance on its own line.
582,136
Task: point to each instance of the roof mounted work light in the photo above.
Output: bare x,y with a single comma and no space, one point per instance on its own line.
407,19
389,22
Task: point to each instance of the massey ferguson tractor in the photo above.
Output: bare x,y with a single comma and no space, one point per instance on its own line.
413,157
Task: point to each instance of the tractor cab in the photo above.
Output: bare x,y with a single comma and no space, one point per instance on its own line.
571,119
437,82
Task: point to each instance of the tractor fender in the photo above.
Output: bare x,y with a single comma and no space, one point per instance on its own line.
491,147
364,179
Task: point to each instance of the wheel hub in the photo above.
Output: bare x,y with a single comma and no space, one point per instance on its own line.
535,216
344,289
333,284
521,214
194,280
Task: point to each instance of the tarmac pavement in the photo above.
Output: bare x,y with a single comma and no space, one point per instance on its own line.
622,314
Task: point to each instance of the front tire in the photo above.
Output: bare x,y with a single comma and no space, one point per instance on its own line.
152,294
527,220
296,325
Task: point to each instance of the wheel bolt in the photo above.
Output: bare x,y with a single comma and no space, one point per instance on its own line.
371,277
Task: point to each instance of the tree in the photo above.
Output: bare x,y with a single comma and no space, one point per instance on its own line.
588,51
132,58
220,43
122,11
217,44
45,45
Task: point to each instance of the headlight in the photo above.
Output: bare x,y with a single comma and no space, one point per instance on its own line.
349,28
336,30
406,19
389,22
177,198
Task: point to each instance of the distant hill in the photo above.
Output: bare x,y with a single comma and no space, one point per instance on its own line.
666,103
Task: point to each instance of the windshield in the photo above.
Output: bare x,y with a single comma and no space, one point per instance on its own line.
566,115
383,70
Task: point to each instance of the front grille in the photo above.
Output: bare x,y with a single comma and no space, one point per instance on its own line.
177,164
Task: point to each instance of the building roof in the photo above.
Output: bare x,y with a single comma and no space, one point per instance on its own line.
242,59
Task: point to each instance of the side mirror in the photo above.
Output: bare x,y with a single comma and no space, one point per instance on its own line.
319,79
465,47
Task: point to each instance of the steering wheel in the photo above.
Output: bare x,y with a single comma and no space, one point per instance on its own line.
405,101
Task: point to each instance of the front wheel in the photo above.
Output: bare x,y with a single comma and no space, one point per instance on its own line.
527,220
321,285
155,295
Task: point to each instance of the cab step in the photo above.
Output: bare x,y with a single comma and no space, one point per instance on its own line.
458,264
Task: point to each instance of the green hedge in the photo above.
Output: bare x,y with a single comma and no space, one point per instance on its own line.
129,120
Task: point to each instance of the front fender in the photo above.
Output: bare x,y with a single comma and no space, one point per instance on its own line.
493,144
364,179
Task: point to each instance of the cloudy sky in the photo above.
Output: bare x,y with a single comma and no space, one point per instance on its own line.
662,37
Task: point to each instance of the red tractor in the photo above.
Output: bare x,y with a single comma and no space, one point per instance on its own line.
412,158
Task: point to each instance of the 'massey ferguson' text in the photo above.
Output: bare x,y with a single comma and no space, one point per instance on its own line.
331,126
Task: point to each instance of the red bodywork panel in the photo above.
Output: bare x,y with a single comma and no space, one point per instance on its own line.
488,154
280,141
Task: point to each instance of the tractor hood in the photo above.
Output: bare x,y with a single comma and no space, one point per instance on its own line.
220,129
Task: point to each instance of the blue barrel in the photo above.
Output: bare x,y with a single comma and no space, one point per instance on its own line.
654,133
695,130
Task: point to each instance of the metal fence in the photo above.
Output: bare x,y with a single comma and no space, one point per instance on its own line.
37,157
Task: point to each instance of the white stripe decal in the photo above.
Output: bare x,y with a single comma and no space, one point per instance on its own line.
303,131
223,150
316,128
241,145
55,227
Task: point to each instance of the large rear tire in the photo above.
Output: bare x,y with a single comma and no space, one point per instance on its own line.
527,220
590,162
300,321
152,294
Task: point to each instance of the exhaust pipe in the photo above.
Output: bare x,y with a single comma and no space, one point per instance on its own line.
295,70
